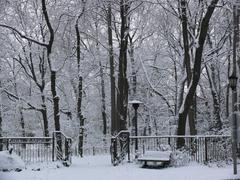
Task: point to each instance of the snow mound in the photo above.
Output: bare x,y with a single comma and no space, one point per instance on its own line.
180,158
10,161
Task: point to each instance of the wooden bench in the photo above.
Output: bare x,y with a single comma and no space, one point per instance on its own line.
155,157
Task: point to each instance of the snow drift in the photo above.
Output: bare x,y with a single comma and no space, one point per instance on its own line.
10,161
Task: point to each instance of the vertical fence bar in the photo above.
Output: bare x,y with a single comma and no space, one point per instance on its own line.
201,149
206,150
53,147
128,148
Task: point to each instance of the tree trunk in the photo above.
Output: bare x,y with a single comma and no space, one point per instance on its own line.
56,113
80,85
196,75
42,69
112,76
1,130
187,63
103,99
44,116
211,73
122,93
176,89
133,68
79,95
1,145
228,88
217,123
20,111
192,117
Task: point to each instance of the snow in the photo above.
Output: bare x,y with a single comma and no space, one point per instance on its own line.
100,168
135,102
10,161
156,155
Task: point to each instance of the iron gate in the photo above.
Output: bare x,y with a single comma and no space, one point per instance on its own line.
40,149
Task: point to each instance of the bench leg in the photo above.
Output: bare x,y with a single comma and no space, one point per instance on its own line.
145,164
166,164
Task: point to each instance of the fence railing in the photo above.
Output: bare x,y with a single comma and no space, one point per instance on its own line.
40,149
30,149
202,149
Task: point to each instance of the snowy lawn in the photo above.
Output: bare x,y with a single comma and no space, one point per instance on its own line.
100,168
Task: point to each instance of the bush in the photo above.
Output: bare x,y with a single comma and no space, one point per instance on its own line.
179,158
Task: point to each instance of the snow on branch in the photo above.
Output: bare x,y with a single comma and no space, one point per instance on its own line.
22,35
18,98
155,90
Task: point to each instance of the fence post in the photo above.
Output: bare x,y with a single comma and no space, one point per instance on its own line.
80,142
206,150
1,144
66,149
93,150
7,144
53,146
114,150
128,144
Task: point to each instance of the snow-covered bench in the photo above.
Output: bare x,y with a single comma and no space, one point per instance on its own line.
155,157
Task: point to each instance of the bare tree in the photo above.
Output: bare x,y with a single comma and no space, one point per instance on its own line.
187,102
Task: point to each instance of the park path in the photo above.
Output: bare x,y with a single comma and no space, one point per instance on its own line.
100,168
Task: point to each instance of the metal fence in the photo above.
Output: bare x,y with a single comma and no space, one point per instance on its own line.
30,149
202,149
39,149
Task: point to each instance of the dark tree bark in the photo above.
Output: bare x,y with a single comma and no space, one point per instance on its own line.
1,145
133,67
192,117
112,70
49,45
42,69
217,123
20,106
80,84
176,89
187,63
196,73
1,119
228,87
103,99
122,92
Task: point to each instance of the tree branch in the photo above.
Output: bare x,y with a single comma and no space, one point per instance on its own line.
22,35
18,98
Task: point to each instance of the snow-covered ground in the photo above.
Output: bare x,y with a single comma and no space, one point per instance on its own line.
10,161
100,168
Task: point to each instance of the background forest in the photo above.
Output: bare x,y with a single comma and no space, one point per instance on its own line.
71,64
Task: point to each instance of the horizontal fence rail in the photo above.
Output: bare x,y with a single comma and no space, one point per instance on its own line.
40,149
202,149
30,149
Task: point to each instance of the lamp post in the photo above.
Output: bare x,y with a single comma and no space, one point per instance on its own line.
233,84
135,105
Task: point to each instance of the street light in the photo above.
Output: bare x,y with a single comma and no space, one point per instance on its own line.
233,81
233,84
135,105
